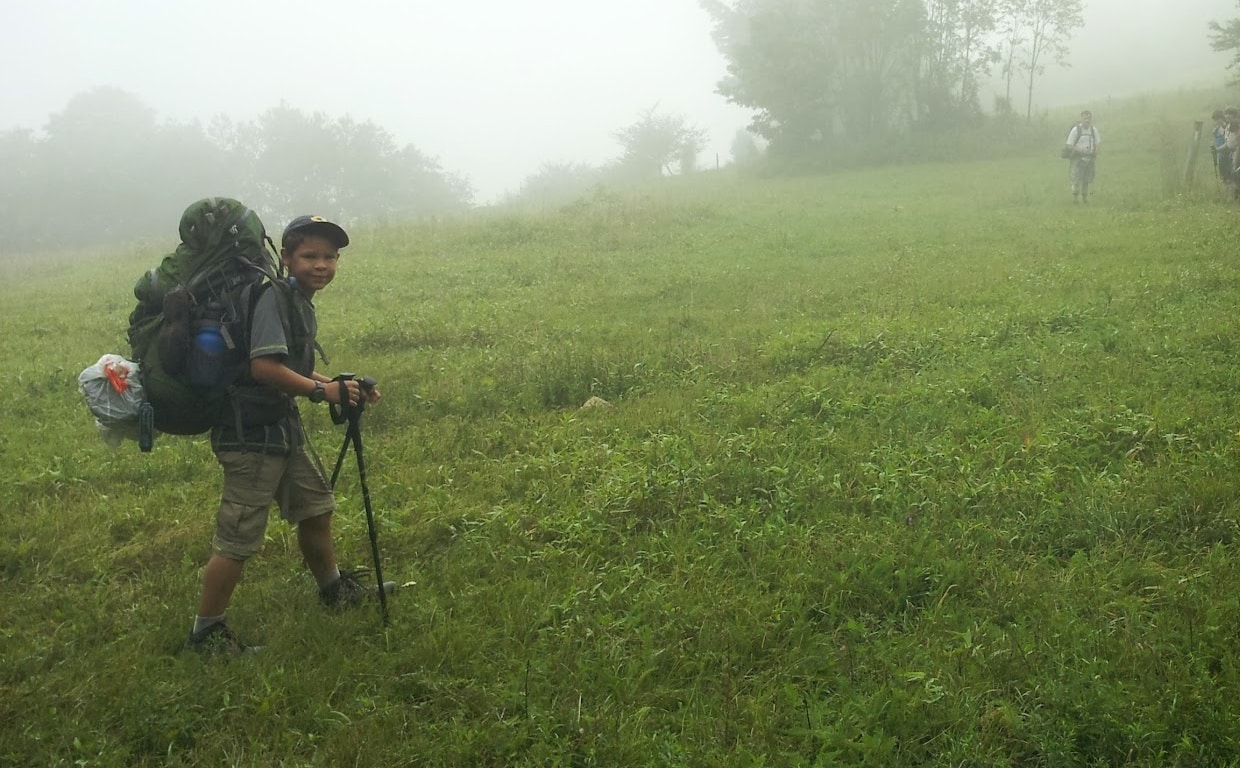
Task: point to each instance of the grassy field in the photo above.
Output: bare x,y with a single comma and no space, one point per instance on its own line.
921,465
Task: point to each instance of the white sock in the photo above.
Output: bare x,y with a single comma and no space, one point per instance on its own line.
331,579
202,622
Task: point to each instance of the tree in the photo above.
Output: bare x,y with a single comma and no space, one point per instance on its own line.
311,162
557,183
744,149
1225,37
654,141
1009,24
1048,24
820,70
107,169
956,56
877,44
781,63
291,158
423,187
19,207
97,161
977,20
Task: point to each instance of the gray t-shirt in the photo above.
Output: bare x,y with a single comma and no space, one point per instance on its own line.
265,420
267,331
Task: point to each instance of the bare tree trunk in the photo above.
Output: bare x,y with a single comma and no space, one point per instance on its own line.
1035,54
1007,94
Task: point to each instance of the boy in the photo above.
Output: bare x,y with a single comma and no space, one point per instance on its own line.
263,449
1083,141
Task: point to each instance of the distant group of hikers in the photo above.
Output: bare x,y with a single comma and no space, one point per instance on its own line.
1081,150
1226,142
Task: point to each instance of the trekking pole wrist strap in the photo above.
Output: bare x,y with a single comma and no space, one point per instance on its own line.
341,410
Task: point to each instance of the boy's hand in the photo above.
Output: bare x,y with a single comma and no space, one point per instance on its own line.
351,390
343,392
370,390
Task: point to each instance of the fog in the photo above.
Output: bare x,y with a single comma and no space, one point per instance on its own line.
1133,46
492,88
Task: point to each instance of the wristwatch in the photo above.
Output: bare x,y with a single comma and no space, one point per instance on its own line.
319,394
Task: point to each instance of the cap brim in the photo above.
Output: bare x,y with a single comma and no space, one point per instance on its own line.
333,232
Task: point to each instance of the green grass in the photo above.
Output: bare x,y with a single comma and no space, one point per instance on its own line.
914,466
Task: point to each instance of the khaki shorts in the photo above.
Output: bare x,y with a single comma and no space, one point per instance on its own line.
252,481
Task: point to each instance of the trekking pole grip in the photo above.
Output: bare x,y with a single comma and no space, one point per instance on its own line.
348,411
365,385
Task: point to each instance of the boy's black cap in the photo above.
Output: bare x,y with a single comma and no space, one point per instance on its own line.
316,225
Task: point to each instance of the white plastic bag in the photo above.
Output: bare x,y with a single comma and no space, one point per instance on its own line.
113,393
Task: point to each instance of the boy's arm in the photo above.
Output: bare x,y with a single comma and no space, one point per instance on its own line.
271,371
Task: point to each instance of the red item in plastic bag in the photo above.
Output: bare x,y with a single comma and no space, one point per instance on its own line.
118,378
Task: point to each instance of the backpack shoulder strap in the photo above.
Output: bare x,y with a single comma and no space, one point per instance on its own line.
295,332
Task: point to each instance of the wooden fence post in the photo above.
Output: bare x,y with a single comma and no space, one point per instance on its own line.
1191,165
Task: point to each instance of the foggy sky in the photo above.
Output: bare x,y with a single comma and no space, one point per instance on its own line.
492,88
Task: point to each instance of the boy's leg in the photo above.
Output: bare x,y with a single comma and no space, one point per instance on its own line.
219,579
307,501
314,537
249,482
337,589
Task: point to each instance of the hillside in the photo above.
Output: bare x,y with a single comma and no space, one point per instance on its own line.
916,465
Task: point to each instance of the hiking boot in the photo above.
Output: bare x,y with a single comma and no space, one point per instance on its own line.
349,592
217,640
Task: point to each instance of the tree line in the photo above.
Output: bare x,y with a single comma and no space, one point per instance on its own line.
853,73
106,169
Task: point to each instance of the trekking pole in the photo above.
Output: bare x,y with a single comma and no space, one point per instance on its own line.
353,435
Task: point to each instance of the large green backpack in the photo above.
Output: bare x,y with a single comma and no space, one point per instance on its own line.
190,329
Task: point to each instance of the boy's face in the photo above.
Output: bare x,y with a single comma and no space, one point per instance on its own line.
312,263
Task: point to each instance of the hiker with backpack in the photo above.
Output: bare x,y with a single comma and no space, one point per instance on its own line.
1227,153
1081,149
261,443
1218,140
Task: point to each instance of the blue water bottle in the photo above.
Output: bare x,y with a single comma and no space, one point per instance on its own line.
207,357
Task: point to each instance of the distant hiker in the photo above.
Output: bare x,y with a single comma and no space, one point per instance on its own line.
263,451
1082,145
1227,153
1219,139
